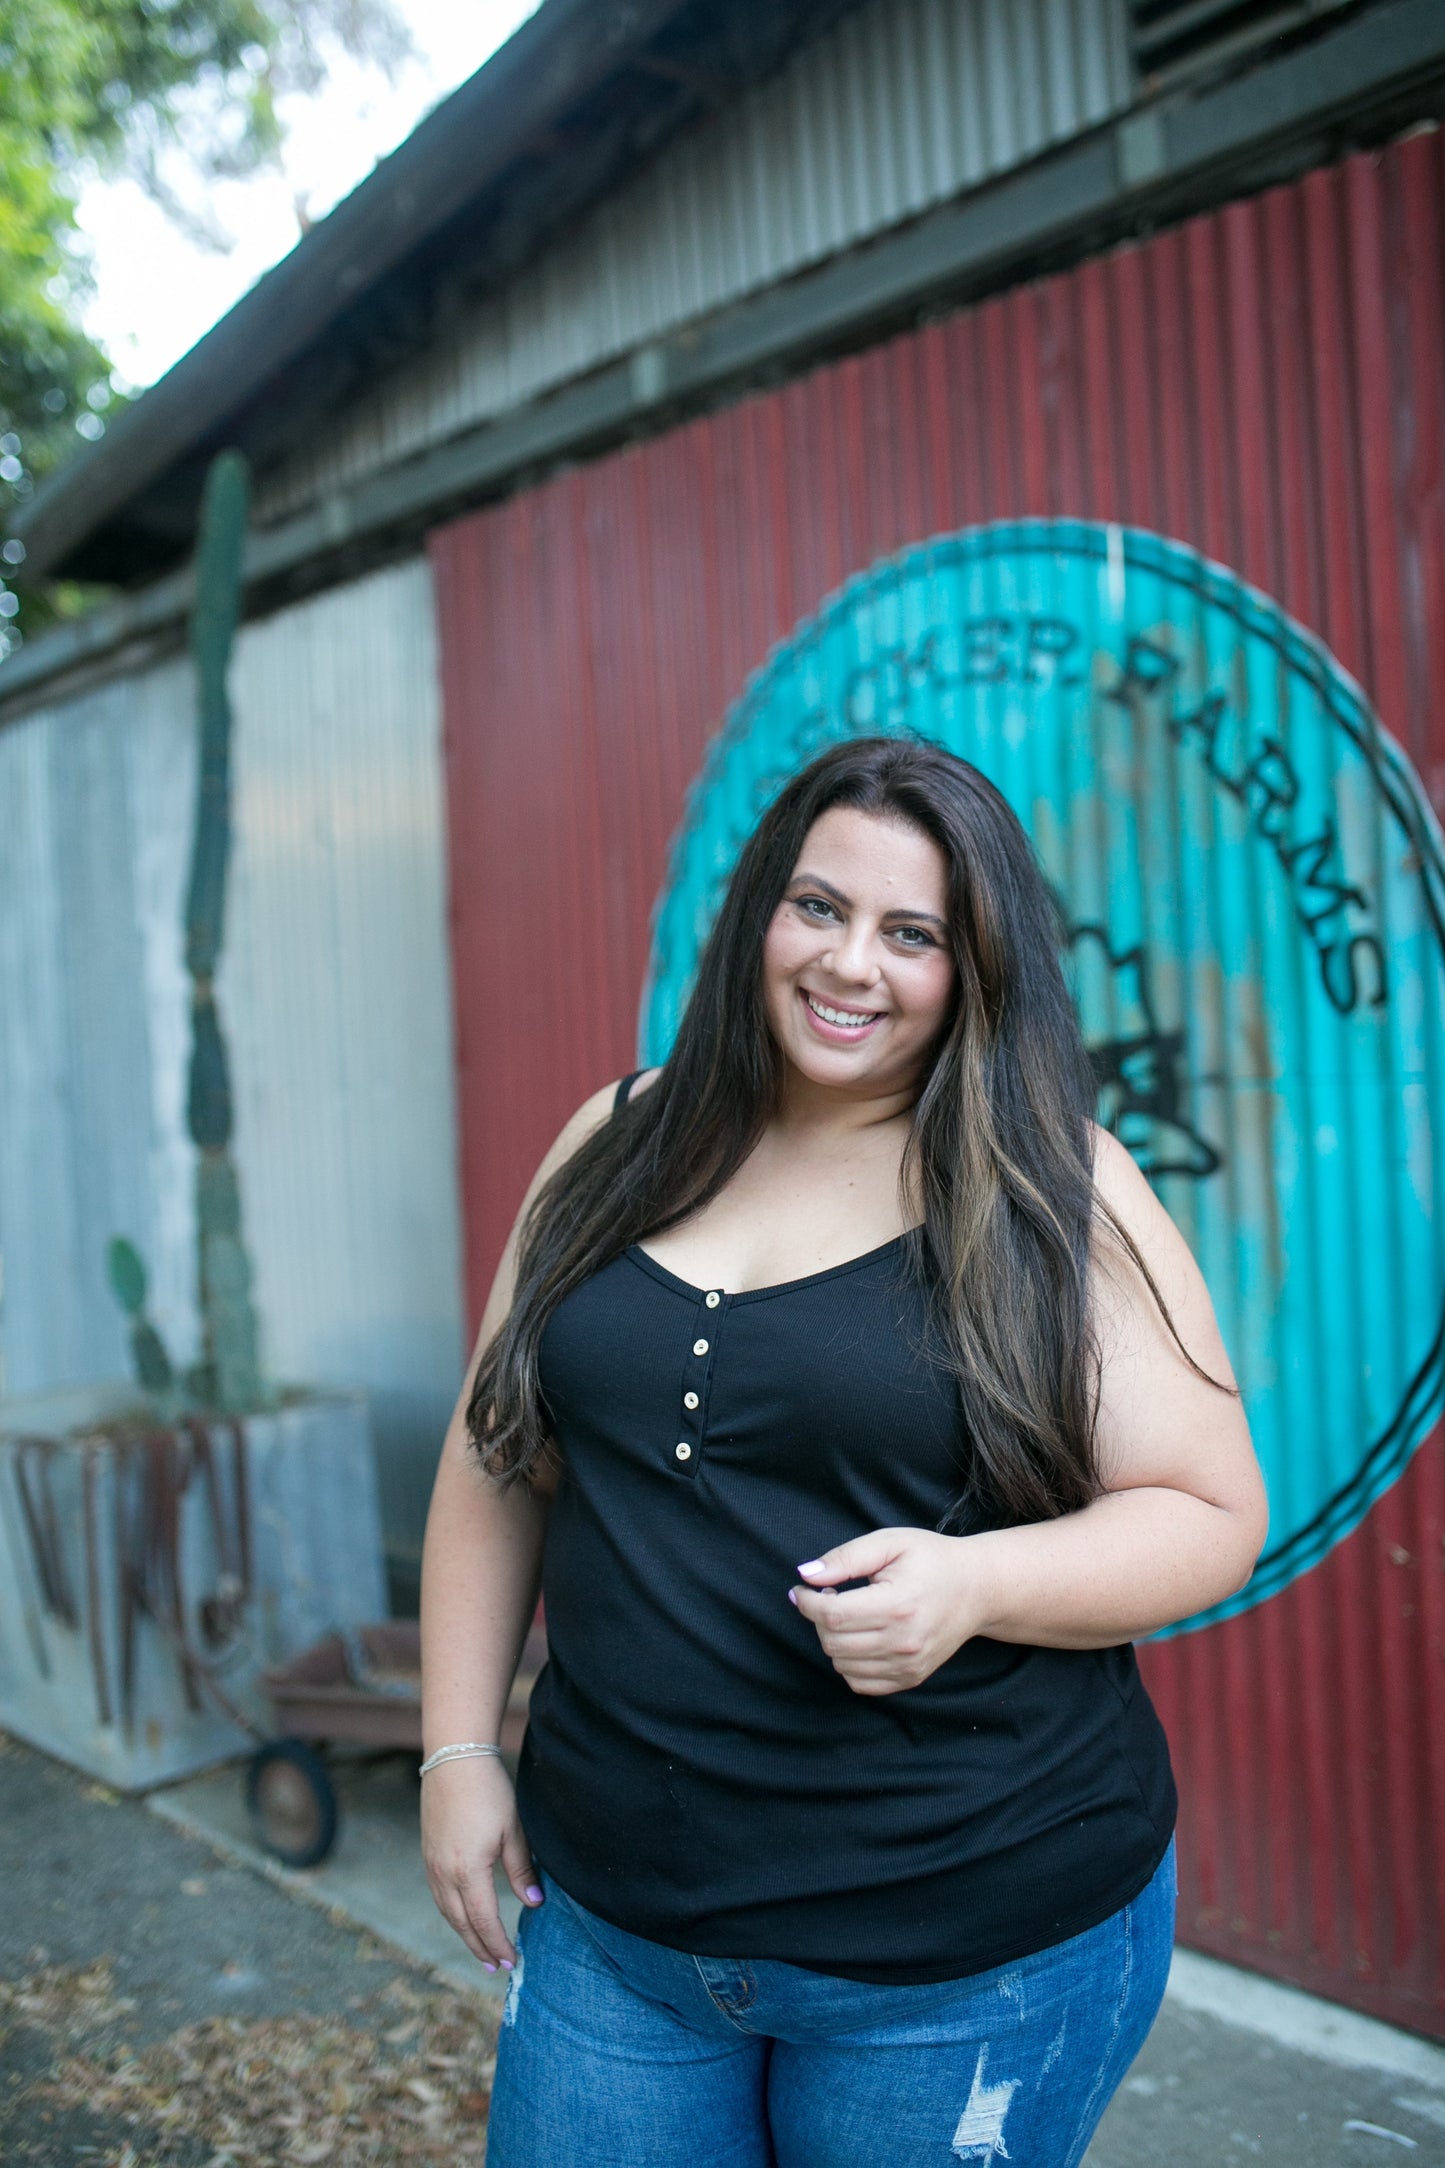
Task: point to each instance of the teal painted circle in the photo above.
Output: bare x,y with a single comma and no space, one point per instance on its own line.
1255,887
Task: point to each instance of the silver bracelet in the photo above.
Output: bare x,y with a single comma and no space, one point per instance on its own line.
454,1753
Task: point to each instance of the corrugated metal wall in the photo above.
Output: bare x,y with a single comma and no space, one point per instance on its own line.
903,104
91,1120
1266,384
334,993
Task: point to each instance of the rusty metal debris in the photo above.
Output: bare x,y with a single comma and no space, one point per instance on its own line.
155,1467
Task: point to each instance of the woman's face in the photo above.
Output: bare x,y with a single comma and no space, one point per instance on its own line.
858,973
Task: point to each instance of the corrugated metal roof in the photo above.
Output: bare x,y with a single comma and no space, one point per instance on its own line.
901,105
579,95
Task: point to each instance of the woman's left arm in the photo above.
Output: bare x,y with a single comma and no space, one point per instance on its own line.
1179,1527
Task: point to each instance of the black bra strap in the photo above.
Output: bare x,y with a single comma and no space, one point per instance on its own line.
620,1100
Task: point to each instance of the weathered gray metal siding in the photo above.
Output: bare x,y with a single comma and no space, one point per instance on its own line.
334,992
85,793
338,990
902,105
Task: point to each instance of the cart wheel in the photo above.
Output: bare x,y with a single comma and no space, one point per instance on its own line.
292,1803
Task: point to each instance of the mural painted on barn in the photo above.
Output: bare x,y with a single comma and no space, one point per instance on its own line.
1254,886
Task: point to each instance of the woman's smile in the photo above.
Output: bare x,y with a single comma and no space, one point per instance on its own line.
857,958
835,1023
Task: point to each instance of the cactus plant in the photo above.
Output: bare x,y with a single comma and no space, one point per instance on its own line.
153,1366
226,1376
229,1365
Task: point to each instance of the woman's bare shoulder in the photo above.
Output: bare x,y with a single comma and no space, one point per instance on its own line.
590,1116
1118,1177
1120,1291
578,1127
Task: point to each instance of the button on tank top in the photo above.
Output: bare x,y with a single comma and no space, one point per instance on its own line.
694,1769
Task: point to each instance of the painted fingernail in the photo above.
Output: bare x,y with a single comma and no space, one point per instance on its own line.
534,1895
489,1965
792,1595
814,1565
506,1964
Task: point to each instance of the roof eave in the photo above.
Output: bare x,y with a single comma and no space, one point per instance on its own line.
566,49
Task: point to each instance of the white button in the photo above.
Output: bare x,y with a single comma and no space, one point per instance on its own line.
682,1449
713,1300
689,1400
699,1347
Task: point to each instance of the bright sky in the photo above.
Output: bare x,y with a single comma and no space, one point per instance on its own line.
157,291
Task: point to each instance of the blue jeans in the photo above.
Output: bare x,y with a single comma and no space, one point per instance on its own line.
620,2053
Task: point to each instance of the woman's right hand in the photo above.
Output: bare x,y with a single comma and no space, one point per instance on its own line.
469,1822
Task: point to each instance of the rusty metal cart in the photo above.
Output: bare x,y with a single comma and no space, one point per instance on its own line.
362,1687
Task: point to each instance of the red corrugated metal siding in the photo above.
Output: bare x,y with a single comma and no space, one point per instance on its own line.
1267,383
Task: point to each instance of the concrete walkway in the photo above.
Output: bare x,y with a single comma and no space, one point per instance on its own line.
373,1876
1236,2070
173,1933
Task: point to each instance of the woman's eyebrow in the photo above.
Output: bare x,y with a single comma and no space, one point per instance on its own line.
815,880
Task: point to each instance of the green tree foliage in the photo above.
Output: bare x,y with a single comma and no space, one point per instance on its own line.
124,86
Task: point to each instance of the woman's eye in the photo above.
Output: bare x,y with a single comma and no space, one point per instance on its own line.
921,936
806,903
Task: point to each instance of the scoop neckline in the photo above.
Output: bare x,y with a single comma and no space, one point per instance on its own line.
659,1271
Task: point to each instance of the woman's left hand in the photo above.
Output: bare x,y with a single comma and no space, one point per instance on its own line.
921,1604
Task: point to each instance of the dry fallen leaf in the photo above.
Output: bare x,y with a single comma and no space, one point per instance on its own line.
290,2092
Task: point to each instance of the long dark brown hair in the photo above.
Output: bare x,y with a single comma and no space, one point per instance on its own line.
1000,1153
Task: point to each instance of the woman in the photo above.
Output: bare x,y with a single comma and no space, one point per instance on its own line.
855,1405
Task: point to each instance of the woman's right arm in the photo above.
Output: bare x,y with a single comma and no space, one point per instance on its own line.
481,1569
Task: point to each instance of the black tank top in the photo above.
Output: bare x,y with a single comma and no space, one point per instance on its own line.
694,1769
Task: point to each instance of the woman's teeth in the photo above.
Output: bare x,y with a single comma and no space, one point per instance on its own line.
849,1019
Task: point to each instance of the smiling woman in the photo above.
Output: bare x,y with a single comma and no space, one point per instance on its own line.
852,1279
857,982
871,957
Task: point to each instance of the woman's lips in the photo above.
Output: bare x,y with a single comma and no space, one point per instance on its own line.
838,1034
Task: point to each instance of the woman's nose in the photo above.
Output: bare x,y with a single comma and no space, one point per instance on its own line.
853,956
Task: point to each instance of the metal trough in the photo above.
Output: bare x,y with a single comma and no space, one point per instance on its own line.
150,1574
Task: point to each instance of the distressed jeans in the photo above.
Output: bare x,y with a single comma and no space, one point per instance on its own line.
622,2053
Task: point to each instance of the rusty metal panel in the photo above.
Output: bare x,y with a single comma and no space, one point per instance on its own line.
1258,393
902,104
